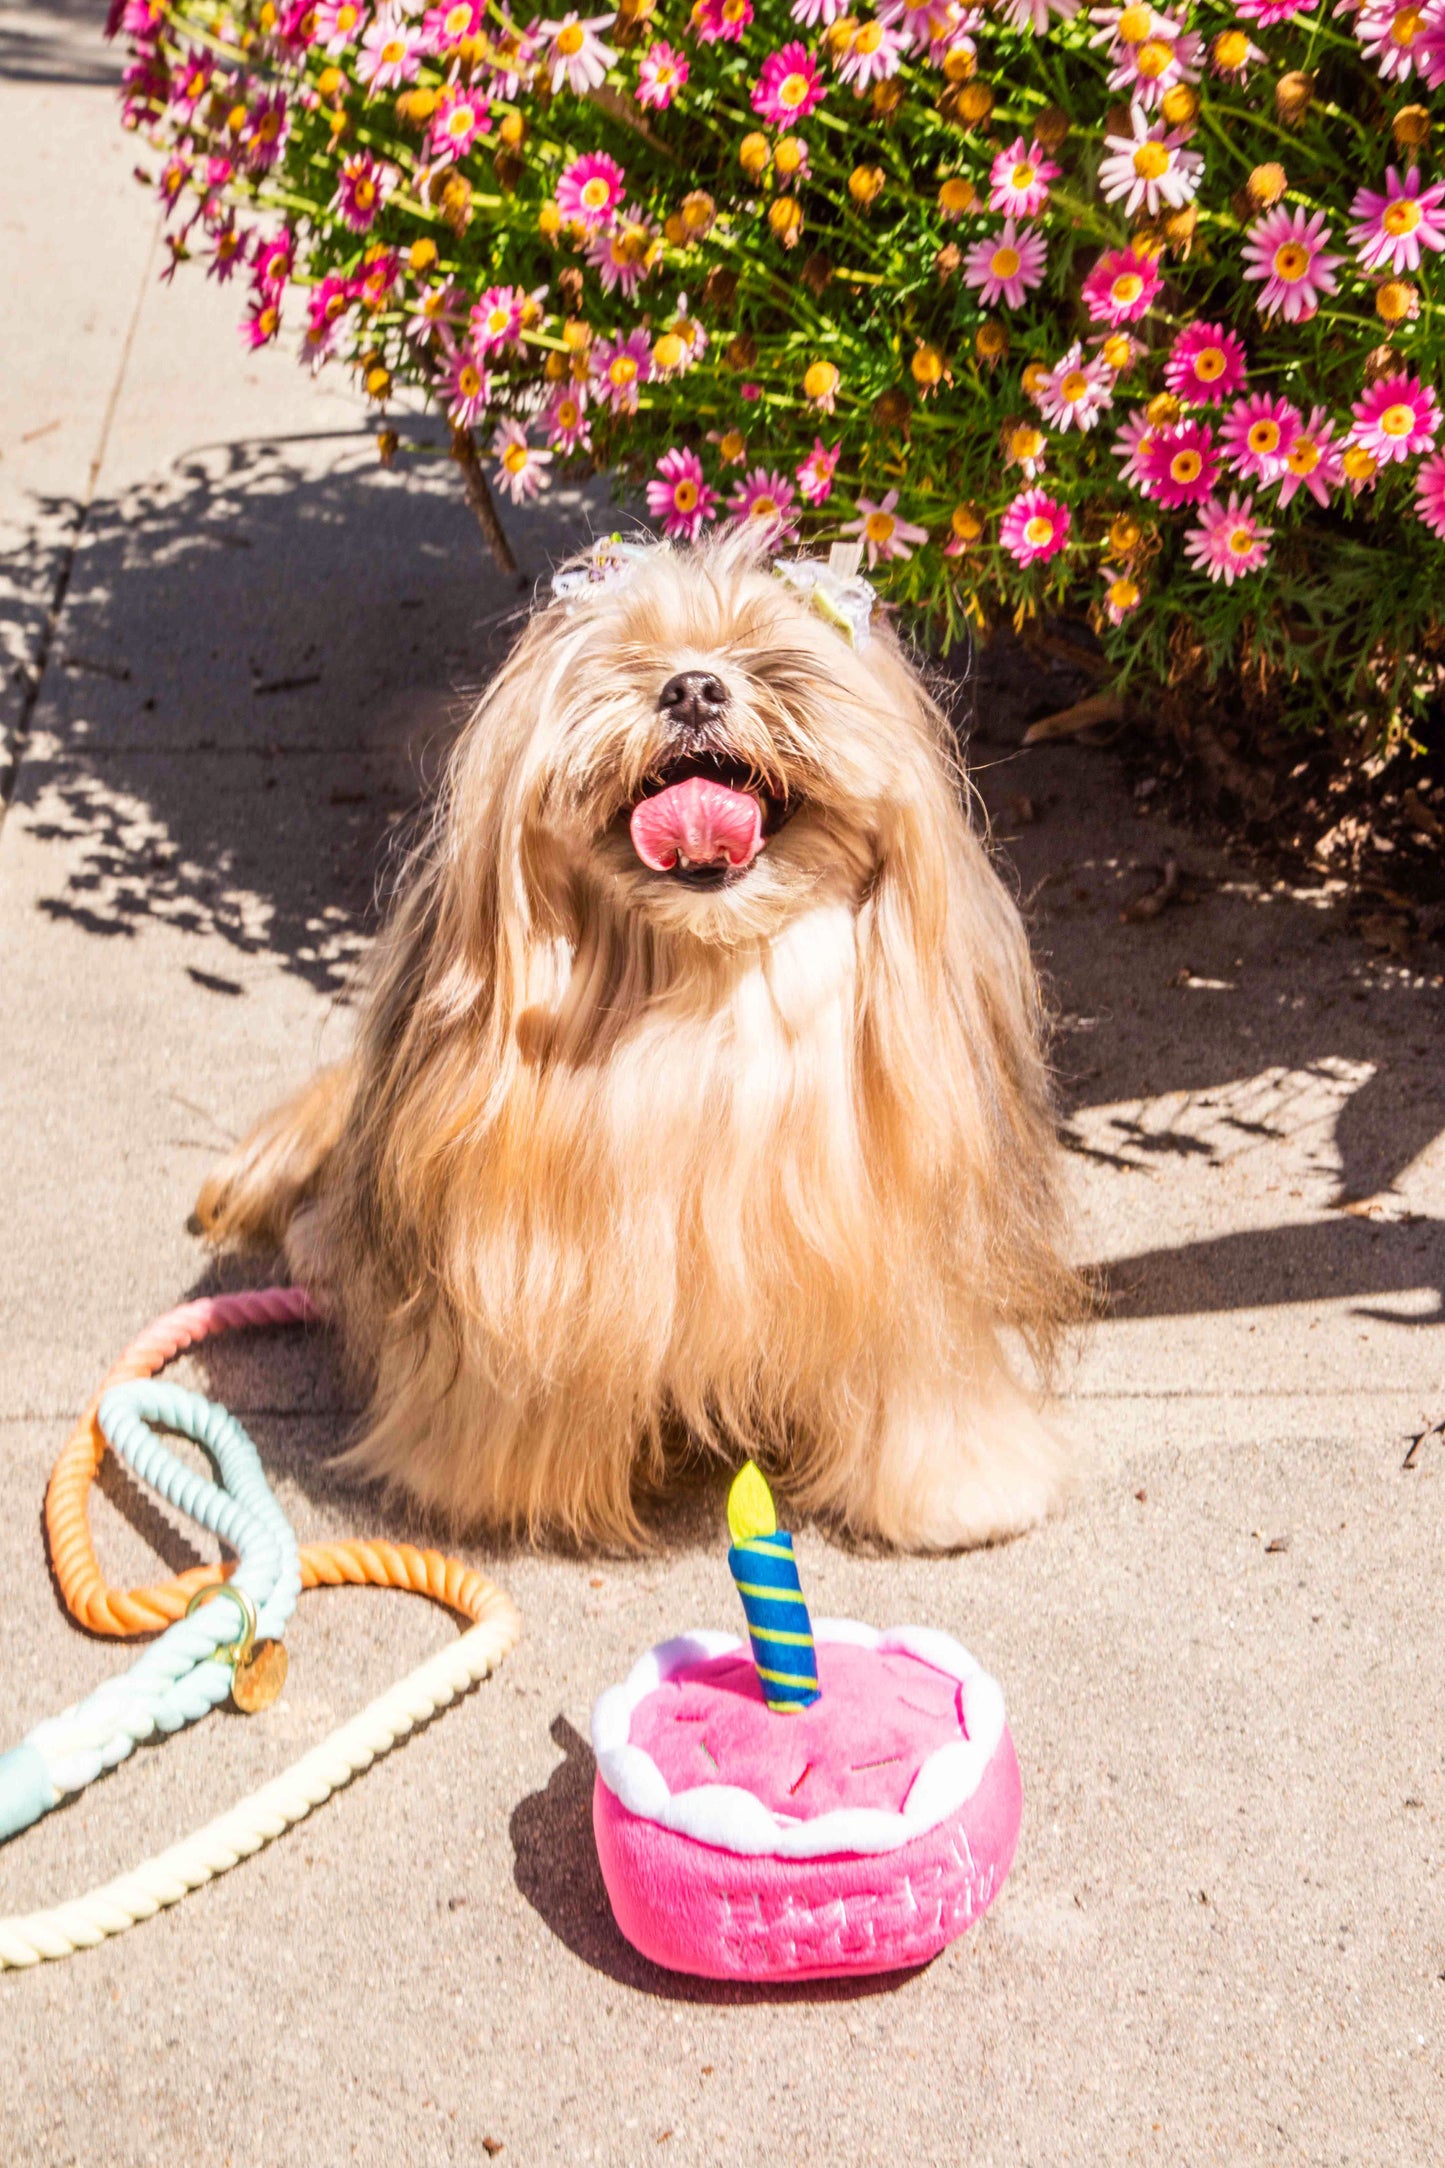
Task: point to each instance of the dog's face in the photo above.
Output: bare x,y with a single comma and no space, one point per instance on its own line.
707,751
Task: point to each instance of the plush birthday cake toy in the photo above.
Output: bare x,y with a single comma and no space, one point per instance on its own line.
837,1801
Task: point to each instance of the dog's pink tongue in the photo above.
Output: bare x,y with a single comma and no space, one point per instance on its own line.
700,821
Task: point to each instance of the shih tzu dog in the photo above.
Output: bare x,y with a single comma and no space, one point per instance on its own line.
699,1092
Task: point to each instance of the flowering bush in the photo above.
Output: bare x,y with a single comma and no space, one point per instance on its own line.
1048,307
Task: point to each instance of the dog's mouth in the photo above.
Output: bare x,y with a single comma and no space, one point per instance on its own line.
703,819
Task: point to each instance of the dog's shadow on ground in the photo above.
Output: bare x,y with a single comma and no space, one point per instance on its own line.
555,1867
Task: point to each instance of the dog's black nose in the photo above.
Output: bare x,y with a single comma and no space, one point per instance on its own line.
693,699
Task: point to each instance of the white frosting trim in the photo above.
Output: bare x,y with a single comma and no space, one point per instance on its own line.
734,1820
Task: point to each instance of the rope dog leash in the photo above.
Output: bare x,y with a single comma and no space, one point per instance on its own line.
200,1658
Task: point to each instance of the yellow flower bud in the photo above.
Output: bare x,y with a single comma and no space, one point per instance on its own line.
1411,127
378,383
990,341
1125,533
753,155
927,368
1230,51
1179,104
1397,301
966,523
669,352
785,216
957,196
820,382
959,64
865,185
422,254
975,103
1033,379
789,152
698,212
1266,185
549,220
1162,411
1292,95
512,130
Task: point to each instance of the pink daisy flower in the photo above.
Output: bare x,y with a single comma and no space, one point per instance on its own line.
1314,461
1167,56
681,498
1180,464
446,27
1133,443
576,54
565,419
873,54
620,367
1206,362
191,80
272,261
1149,167
663,72
1286,250
815,473
466,389
1258,436
339,23
590,189
789,87
1229,540
1075,392
919,23
881,531
626,252
521,467
1035,527
1122,594
1393,34
1430,494
1121,287
361,191
460,117
1269,12
1390,230
389,55
1397,417
1019,180
263,318
266,131
227,252
713,20
1006,265
496,319
434,310
765,500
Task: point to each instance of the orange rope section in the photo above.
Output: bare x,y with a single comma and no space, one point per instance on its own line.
122,1611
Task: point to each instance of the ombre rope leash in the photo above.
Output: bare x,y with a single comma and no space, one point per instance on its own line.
190,1668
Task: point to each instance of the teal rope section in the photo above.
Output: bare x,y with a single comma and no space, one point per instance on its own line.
179,1677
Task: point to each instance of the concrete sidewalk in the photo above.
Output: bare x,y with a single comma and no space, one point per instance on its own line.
1224,1938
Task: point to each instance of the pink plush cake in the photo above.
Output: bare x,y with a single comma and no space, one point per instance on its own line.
861,1833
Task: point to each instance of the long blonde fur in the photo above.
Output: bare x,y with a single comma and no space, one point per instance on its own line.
772,1166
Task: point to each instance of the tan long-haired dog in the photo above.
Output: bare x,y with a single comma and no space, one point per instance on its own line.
699,1090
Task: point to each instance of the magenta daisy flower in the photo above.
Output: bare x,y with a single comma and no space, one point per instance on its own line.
1206,362
1269,12
339,23
361,191
1019,180
1149,167
1229,540
874,53
564,419
1035,527
764,500
712,20
266,132
662,73
789,87
1122,594
681,499
1390,230
1393,33
1258,436
521,467
620,367
590,189
1006,265
263,318
881,531
443,28
1075,392
1286,250
191,80
272,261
466,389
390,55
1180,464
460,117
1397,417
1313,462
496,319
626,252
1121,287
1430,494
815,473
576,54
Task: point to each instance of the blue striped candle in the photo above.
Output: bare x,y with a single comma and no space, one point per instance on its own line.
762,1564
